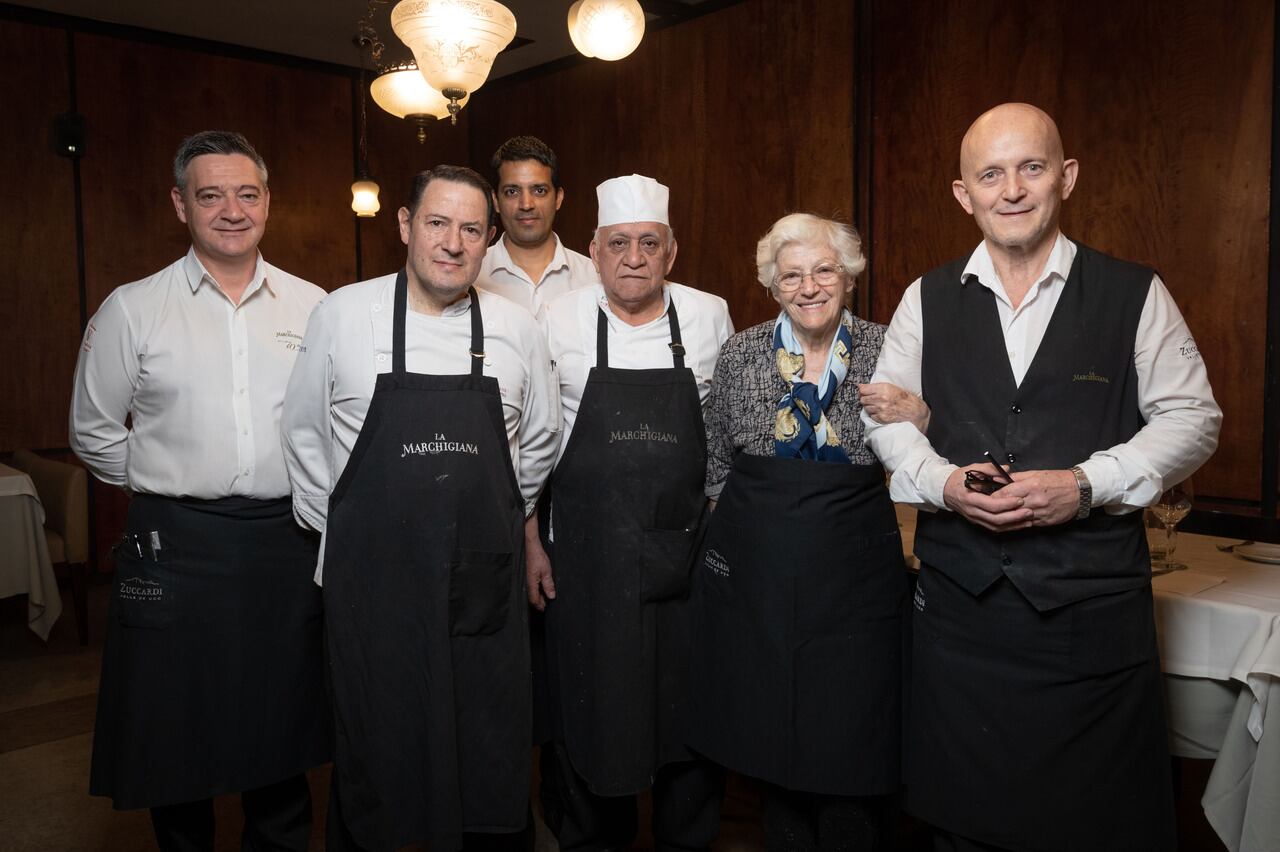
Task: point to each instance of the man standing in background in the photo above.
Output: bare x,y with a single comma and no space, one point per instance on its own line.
528,264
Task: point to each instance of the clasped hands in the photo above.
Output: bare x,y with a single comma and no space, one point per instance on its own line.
1032,498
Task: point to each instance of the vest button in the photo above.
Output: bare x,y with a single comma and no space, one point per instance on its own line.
1012,458
1006,559
1015,408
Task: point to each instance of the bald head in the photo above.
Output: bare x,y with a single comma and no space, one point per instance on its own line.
1022,120
1013,178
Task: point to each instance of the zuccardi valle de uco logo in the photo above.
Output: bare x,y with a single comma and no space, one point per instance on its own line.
644,433
437,445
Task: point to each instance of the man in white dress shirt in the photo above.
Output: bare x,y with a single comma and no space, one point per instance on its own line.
528,264
634,355
211,674
1036,717
419,427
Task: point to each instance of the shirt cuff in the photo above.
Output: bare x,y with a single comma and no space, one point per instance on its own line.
311,510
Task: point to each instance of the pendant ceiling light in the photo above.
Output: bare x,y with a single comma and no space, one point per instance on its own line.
454,42
402,91
606,29
364,192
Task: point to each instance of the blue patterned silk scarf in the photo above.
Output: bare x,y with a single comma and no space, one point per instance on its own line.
801,429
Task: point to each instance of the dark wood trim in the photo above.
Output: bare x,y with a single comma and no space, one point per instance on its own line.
864,144
1271,375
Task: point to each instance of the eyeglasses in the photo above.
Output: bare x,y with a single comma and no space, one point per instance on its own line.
985,483
825,275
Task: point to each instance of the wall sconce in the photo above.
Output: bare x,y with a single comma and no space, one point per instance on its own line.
454,42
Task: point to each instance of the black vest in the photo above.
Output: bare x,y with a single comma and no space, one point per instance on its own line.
1080,395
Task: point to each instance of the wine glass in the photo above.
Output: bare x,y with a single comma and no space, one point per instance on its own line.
1162,522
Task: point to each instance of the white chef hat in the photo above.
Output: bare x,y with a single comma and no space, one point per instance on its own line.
634,198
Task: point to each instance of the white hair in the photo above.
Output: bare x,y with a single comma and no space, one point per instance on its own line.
807,228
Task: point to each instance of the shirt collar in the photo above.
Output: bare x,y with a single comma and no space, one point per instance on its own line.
501,258
603,301
1058,264
197,274
387,297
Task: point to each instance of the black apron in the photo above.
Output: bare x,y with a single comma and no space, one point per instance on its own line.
1038,731
425,622
627,502
212,671
798,604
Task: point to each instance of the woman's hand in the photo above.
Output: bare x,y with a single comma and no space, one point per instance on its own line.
888,403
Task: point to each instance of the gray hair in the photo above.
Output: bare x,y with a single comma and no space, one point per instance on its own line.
807,228
213,142
671,234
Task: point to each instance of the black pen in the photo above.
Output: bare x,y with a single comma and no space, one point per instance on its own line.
991,458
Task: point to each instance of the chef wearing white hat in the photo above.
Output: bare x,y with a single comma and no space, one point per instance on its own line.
634,356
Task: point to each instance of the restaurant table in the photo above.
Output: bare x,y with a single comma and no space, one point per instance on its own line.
1218,627
1218,624
24,552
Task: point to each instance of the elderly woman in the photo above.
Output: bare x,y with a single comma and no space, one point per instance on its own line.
800,592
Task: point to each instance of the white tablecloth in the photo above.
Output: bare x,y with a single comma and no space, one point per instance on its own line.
1219,624
24,553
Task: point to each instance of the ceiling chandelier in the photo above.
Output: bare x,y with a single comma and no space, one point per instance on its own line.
606,29
454,43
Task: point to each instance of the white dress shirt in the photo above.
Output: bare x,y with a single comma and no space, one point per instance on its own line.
1173,392
348,344
570,324
201,378
567,271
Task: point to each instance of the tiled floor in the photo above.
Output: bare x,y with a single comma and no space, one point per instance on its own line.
47,705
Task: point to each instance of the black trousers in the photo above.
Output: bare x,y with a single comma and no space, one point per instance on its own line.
277,818
796,821
686,807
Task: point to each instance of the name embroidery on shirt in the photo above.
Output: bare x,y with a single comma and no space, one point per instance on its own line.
644,433
1090,376
1188,349
291,340
436,446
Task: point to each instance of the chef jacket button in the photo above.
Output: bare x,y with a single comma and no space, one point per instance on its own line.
382,357
377,308
1006,559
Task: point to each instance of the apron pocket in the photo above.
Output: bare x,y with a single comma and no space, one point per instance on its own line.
480,584
665,563
144,593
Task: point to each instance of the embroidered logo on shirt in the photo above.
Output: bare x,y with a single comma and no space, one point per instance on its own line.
1188,349
644,433
436,446
89,332
291,340
1090,376
717,564
138,589
918,598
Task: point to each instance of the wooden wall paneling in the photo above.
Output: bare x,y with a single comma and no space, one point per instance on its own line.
746,113
1167,107
395,156
141,99
39,297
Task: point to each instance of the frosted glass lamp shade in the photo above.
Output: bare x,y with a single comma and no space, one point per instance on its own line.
364,198
608,29
404,92
454,41
578,44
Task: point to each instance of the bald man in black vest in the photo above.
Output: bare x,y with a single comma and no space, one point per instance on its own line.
1036,716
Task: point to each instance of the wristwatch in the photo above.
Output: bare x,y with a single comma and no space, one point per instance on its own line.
1086,493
